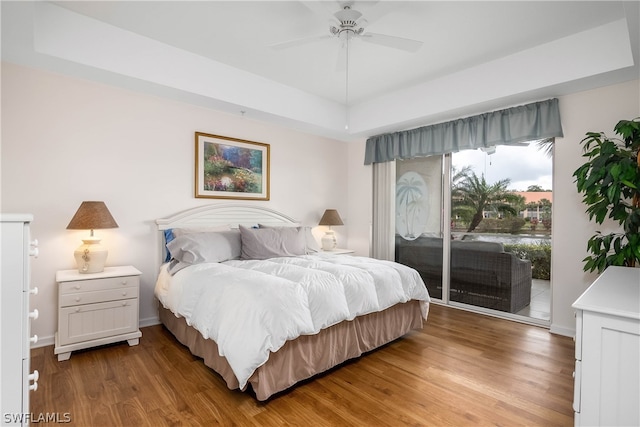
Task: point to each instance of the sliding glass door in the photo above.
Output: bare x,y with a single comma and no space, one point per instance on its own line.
477,227
419,218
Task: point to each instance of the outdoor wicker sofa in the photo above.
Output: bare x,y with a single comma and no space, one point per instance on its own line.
482,273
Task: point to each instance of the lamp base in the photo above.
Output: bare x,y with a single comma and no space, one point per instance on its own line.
329,241
90,256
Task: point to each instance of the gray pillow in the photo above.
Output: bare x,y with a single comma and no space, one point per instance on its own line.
311,242
263,243
194,248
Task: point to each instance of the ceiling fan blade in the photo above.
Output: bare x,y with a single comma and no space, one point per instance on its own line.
299,42
374,10
401,43
320,8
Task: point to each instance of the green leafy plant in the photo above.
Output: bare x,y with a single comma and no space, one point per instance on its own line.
610,183
538,253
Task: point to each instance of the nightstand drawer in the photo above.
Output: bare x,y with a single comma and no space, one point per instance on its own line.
97,284
94,321
80,298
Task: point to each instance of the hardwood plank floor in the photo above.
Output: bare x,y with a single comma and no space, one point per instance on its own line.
460,369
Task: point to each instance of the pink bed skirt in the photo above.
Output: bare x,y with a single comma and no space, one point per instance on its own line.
307,355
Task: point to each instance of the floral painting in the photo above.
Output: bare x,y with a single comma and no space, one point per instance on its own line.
231,168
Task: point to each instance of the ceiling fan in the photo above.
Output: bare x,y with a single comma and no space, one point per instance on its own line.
347,24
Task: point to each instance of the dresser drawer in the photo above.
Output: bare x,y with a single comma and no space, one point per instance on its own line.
92,285
79,298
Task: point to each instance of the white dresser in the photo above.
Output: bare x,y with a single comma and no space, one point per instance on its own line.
607,375
15,376
96,309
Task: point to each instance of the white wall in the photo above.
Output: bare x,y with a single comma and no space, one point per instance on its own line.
66,140
592,111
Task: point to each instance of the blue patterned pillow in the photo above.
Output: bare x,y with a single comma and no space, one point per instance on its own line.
168,236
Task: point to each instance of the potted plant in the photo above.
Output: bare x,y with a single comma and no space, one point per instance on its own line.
610,182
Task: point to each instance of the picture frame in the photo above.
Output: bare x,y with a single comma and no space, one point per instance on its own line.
231,168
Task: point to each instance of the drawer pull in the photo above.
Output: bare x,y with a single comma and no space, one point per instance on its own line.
34,339
77,309
34,314
33,291
125,304
124,293
34,377
78,299
123,283
77,286
33,248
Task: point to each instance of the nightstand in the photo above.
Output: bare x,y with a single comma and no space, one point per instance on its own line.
338,251
96,309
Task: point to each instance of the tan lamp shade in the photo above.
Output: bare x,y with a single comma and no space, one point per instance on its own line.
92,216
330,217
91,255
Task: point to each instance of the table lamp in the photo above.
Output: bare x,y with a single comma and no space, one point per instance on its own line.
91,255
330,217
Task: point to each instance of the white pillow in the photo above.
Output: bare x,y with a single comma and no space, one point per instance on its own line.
311,242
263,243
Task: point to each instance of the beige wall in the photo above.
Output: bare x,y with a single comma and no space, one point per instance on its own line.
66,140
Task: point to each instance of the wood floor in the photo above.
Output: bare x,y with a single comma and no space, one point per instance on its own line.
461,369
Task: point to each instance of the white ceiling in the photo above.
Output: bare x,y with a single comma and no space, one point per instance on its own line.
475,56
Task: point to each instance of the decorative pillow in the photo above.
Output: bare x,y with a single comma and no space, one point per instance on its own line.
168,236
311,242
263,243
194,248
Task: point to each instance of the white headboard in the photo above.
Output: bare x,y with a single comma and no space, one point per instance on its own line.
220,214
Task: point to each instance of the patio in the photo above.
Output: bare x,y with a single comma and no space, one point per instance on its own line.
540,306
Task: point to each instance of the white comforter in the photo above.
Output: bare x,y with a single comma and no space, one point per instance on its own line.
251,308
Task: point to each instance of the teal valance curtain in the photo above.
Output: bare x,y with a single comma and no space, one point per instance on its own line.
529,122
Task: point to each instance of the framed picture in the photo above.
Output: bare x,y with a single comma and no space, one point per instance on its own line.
230,168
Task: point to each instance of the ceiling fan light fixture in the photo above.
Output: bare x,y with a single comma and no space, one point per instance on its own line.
348,17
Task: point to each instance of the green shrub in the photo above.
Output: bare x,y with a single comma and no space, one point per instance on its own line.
500,225
538,253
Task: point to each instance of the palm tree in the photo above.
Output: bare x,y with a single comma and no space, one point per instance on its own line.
409,194
472,195
546,146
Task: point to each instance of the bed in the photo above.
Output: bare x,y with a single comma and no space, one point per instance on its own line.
248,290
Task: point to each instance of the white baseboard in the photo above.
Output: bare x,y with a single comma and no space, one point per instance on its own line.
559,330
50,340
149,321
44,341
